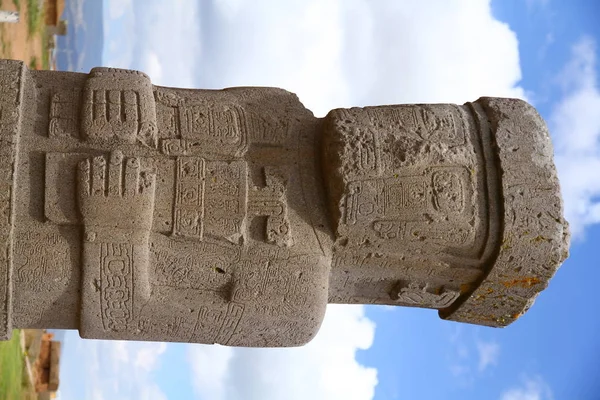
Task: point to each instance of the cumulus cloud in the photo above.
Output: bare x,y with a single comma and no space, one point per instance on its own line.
531,389
210,367
488,352
332,53
117,8
156,35
112,370
336,53
153,67
326,368
575,126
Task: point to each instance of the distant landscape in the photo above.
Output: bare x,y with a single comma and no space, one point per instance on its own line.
81,49
24,40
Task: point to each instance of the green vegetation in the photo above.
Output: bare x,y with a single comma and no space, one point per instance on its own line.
11,368
4,45
45,53
33,62
35,17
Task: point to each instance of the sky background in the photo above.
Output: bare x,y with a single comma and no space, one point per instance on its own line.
341,53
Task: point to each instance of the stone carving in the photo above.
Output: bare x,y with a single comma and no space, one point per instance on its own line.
118,105
131,211
420,295
64,117
271,202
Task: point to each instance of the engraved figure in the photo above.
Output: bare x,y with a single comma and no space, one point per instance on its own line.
421,295
111,112
116,203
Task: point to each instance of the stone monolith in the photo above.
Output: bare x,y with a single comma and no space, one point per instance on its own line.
133,211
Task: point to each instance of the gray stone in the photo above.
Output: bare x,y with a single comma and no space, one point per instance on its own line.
133,211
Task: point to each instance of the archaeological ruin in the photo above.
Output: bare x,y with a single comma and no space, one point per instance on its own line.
234,216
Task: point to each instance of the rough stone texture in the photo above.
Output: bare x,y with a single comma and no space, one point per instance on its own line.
132,211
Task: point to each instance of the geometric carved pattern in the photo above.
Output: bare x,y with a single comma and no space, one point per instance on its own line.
118,104
441,190
423,123
189,198
210,198
200,129
271,202
225,321
116,276
64,113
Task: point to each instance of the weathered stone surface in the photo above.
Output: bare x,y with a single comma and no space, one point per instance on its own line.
132,211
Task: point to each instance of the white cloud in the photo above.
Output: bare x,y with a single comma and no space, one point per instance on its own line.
335,53
575,125
326,368
113,370
332,53
531,389
488,352
117,8
147,356
76,8
209,366
158,37
153,67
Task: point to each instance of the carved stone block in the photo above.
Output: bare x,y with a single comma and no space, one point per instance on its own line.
131,211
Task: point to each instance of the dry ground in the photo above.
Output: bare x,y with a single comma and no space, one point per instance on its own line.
26,39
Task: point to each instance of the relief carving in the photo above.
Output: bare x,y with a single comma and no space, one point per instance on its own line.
271,202
206,266
119,105
433,205
64,113
201,128
116,285
41,262
116,201
131,211
421,295
210,199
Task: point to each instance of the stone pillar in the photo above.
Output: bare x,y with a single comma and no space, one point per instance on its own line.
132,211
455,208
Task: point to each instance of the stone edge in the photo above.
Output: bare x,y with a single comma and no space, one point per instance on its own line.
535,236
12,74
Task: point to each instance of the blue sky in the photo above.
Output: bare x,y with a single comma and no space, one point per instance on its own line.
340,53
